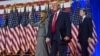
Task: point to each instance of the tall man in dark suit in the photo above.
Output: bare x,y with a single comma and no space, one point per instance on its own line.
59,31
85,32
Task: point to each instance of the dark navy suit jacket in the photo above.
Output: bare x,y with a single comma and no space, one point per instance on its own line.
85,29
62,28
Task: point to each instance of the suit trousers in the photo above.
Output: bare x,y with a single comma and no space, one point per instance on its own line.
84,46
60,46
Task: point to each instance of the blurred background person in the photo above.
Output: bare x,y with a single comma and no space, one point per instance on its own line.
85,32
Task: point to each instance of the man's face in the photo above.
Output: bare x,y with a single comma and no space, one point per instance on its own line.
55,7
81,13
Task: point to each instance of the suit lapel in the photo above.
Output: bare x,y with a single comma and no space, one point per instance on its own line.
59,16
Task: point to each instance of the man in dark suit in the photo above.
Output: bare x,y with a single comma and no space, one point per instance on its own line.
59,31
85,32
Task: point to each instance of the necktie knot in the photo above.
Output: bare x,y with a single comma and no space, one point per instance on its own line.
55,13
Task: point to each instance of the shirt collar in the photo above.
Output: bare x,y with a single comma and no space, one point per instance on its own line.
58,12
83,17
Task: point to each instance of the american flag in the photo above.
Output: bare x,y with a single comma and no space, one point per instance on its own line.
33,15
48,10
15,29
74,45
91,47
75,18
31,35
3,31
23,37
37,15
9,36
13,33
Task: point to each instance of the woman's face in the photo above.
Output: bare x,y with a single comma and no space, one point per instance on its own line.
43,15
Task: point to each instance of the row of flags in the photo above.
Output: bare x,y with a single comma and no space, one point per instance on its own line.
17,31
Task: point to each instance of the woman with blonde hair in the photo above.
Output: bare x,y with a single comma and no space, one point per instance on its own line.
41,49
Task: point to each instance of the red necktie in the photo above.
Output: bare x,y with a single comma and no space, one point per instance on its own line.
54,22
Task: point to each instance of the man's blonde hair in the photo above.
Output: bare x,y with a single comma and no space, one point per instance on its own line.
56,2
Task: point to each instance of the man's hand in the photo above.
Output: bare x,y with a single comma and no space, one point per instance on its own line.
66,38
47,40
89,39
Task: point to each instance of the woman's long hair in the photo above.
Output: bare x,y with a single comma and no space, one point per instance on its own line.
45,16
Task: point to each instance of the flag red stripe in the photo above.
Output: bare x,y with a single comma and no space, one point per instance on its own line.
22,40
